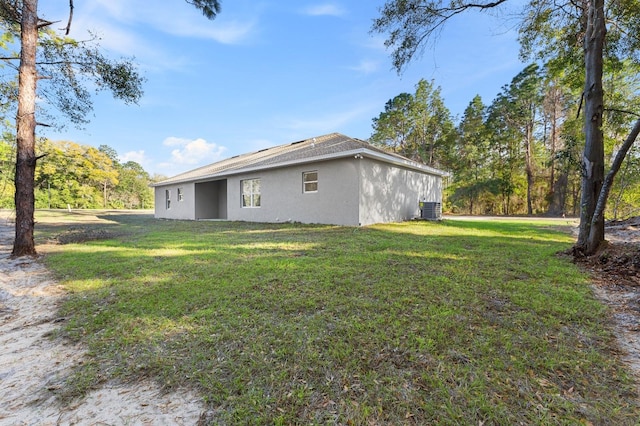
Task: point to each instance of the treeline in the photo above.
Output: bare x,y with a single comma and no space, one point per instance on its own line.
520,154
78,176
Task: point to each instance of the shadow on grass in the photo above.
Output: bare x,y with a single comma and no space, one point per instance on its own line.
287,323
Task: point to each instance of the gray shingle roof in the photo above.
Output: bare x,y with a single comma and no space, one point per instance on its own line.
333,145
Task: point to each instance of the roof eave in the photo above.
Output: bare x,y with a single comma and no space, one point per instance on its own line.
345,154
403,162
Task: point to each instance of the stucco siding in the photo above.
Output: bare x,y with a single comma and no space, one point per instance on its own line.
391,194
352,190
183,208
282,197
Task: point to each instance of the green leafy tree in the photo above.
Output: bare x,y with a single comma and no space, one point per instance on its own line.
626,194
392,128
433,131
82,176
568,162
417,126
70,174
101,171
470,171
66,64
112,155
7,153
555,109
507,159
577,34
523,97
621,83
133,190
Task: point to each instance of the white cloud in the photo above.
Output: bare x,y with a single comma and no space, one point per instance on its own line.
326,9
231,32
120,23
119,9
137,156
193,152
174,141
365,67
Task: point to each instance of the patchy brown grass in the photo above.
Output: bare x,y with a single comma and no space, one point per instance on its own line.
459,322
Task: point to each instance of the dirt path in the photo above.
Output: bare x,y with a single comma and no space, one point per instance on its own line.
32,365
615,274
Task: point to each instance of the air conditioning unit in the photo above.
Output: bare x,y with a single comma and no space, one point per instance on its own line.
430,210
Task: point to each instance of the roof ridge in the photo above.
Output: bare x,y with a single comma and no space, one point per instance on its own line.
324,146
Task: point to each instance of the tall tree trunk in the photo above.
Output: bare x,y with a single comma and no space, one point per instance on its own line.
104,194
559,195
555,199
26,136
591,233
529,167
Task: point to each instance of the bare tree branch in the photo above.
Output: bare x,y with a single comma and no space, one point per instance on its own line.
623,111
43,23
412,22
68,28
615,166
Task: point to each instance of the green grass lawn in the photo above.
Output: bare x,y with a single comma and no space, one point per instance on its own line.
458,322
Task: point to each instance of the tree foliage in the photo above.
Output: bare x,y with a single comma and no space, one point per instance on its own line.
392,127
418,126
66,69
68,65
7,171
471,150
209,8
79,176
583,38
491,171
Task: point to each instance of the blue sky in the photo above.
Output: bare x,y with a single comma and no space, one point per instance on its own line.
267,72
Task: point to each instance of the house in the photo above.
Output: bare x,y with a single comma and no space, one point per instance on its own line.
330,179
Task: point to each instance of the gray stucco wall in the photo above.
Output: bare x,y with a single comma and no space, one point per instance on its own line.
184,209
391,194
350,192
211,200
282,197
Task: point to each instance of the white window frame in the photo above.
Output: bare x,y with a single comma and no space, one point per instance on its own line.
167,198
251,199
180,195
310,182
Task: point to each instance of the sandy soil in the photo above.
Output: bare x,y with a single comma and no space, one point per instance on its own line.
615,272
32,365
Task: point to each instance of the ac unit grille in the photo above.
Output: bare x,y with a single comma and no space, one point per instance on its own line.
430,210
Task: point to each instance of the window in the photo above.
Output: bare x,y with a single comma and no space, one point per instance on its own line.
310,182
180,196
167,196
250,192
